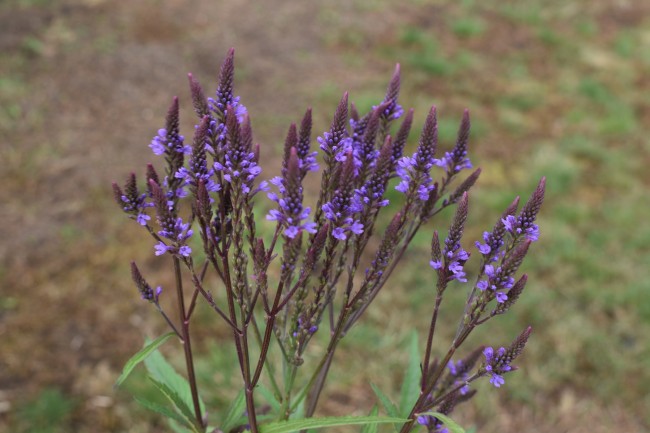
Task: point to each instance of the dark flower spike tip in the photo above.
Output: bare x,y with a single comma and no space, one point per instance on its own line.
494,240
336,143
464,187
392,92
498,362
246,133
533,205
402,135
152,175
513,295
199,101
460,150
117,194
291,142
146,292
514,259
429,138
306,157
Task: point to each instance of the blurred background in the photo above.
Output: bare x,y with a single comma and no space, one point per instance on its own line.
555,88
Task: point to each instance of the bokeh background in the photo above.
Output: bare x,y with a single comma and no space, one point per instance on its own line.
555,88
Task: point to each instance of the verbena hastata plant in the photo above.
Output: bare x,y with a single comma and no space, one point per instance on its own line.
318,273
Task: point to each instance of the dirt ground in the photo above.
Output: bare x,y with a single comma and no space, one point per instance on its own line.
89,82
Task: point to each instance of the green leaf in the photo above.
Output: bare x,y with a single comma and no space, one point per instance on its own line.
448,422
235,413
302,424
141,356
164,410
371,428
160,370
411,386
389,406
183,408
270,398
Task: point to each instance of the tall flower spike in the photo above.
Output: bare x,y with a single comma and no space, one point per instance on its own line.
239,166
365,153
385,251
291,142
524,224
494,240
454,255
199,101
415,171
146,292
341,208
306,158
291,212
402,135
390,109
464,187
513,295
457,160
497,363
335,143
132,201
198,165
371,194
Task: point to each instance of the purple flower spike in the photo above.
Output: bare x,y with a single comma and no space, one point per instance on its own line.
291,212
335,143
415,170
340,210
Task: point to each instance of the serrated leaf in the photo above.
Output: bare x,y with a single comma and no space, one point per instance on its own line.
315,423
163,410
235,412
160,370
448,422
386,402
178,402
371,428
411,385
141,356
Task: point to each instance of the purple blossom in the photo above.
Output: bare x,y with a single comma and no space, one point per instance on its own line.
524,223
496,364
142,219
456,160
414,171
239,166
160,248
336,144
291,212
456,370
165,142
341,208
436,264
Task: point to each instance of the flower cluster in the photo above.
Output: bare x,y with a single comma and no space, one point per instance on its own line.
240,164
414,171
132,201
457,160
198,166
341,208
336,143
316,280
498,362
291,212
453,256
